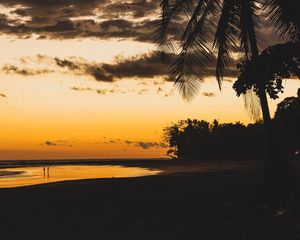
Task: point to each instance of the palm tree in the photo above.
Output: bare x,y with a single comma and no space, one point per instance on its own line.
222,28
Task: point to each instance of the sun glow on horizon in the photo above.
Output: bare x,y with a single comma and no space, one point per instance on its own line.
61,114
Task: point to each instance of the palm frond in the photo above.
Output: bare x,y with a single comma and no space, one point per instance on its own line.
252,105
250,22
284,16
164,24
191,64
226,36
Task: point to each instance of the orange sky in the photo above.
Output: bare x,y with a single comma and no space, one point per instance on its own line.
59,114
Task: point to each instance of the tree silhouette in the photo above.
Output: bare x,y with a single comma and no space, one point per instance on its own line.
234,141
224,27
199,140
287,119
280,62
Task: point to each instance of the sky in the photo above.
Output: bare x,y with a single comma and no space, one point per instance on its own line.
83,79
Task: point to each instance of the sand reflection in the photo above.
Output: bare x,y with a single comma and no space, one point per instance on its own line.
46,174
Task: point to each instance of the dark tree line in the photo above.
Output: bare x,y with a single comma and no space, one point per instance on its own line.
214,30
198,139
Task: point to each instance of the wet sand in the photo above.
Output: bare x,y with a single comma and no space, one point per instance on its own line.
9,173
58,173
183,203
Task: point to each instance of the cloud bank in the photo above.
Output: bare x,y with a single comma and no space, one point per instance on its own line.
147,65
56,19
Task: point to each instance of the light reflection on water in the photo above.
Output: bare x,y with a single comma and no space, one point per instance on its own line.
48,174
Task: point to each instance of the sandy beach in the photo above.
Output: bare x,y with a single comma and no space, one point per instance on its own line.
182,203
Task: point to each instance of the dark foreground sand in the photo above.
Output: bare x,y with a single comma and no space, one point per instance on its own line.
224,204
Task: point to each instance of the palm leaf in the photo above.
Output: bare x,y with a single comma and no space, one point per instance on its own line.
226,37
169,10
191,65
252,105
284,15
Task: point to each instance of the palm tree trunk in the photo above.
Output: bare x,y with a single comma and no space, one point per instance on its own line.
276,168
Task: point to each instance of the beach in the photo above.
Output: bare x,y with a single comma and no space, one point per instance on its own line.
178,204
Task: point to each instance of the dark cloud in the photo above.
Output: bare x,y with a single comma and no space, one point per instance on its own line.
139,144
48,143
76,18
64,63
208,94
74,65
103,19
113,141
81,66
21,12
147,145
133,9
141,66
57,143
146,65
2,95
153,64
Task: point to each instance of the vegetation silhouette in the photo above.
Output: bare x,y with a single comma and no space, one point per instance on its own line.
227,27
198,139
287,119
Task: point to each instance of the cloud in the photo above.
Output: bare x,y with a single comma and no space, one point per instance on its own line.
2,95
139,144
81,88
80,66
101,19
143,91
112,141
147,65
165,93
10,68
57,143
208,94
147,145
97,90
72,65
58,19
102,91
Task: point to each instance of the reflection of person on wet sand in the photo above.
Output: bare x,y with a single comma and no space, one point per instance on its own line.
46,172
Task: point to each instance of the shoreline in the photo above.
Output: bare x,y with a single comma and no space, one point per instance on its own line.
164,168
121,162
167,166
171,168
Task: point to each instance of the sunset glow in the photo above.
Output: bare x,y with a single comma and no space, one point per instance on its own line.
93,95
